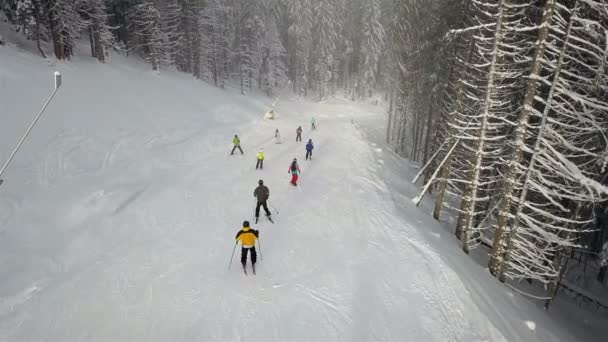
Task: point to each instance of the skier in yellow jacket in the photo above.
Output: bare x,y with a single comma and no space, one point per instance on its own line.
237,144
260,163
247,237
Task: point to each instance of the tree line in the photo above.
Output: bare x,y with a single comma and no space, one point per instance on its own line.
322,46
506,103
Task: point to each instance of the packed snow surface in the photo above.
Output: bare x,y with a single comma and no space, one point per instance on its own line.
118,217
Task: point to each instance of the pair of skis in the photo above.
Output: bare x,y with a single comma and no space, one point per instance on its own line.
268,217
245,269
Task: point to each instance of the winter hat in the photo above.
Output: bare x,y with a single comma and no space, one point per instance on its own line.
260,182
246,224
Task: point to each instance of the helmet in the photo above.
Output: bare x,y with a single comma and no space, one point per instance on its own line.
260,182
295,159
246,224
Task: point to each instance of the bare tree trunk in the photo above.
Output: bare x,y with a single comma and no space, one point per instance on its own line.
92,41
429,124
504,212
390,119
445,172
57,44
507,235
37,18
473,185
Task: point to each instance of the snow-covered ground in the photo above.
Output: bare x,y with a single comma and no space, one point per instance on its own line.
117,221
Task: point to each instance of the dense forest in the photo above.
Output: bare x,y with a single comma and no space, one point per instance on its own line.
513,102
321,46
504,102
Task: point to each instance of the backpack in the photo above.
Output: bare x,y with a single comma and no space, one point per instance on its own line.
294,166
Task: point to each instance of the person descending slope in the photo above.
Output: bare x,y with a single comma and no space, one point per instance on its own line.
294,169
247,237
237,144
260,163
299,134
309,148
277,136
261,193
312,123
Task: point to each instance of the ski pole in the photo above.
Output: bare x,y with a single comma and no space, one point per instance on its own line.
234,249
57,85
260,248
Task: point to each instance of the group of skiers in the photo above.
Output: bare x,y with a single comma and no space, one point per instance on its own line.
248,236
294,169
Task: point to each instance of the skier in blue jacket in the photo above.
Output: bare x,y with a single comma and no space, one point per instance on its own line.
309,148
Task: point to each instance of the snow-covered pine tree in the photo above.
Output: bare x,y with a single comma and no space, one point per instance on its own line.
100,34
519,143
340,18
371,46
556,169
146,33
216,37
189,48
454,102
349,49
272,68
397,44
30,20
416,35
394,50
65,25
501,50
248,32
325,38
300,33
118,18
172,29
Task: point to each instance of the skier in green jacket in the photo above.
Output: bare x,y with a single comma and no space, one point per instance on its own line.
237,144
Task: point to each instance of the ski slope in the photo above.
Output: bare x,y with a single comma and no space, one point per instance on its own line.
117,220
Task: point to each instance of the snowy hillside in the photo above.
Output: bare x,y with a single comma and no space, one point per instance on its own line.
117,220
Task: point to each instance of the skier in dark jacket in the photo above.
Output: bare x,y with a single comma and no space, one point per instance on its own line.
247,237
309,147
299,134
261,193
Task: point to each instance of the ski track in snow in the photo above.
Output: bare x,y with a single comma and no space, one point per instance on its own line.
124,233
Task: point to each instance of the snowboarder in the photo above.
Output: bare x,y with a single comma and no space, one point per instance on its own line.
294,169
247,237
312,123
277,136
299,134
237,144
260,163
309,148
261,193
